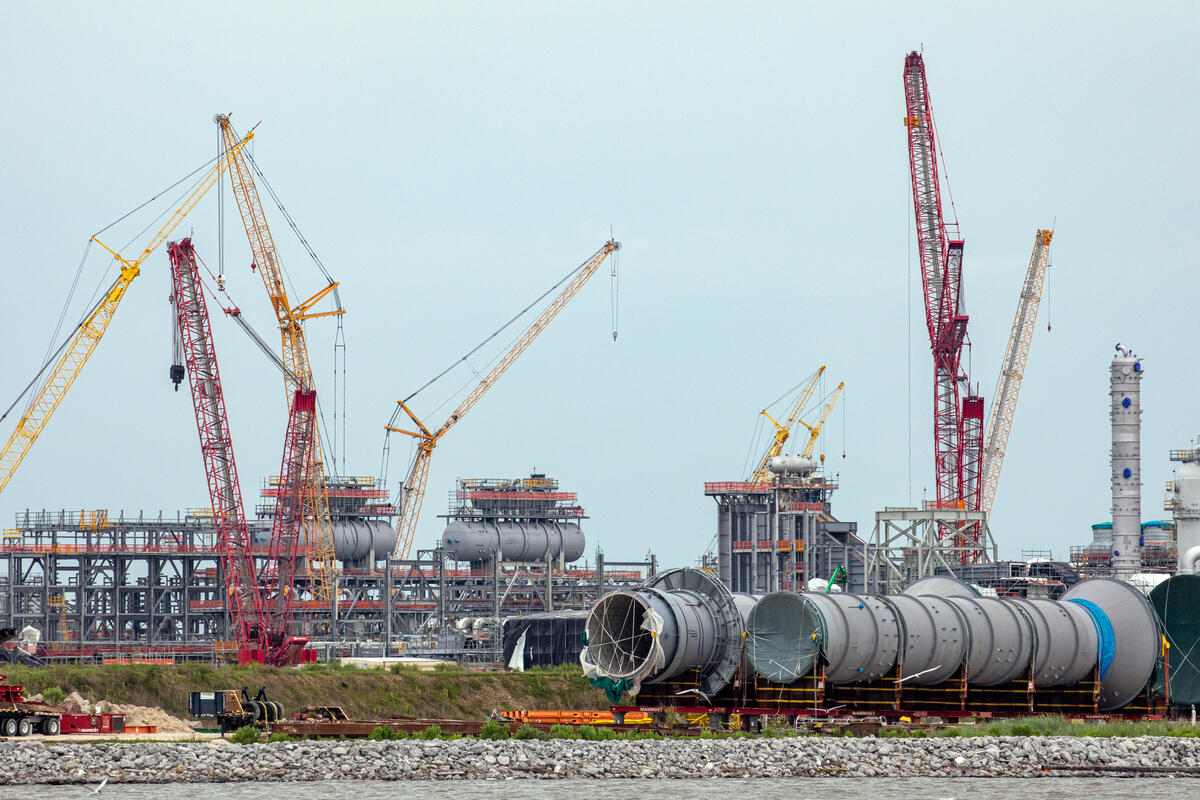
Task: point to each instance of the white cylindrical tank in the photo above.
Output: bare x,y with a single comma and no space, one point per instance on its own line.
1126,413
1186,505
515,541
799,465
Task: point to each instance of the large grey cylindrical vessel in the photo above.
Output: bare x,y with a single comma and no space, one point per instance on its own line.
355,539
857,636
678,620
1128,628
999,638
470,540
934,635
1065,640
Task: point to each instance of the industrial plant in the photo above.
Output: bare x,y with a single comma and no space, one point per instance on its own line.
791,611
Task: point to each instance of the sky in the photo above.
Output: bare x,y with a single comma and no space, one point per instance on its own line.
449,162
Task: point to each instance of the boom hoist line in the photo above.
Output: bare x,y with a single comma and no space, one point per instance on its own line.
1012,369
216,446
958,411
302,503
78,349
426,439
762,474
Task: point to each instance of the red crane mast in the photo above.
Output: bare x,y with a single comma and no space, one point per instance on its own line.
229,517
958,411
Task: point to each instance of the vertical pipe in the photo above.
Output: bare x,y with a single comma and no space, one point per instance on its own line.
773,553
389,603
724,546
752,519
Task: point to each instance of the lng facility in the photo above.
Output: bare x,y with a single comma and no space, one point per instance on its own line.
790,611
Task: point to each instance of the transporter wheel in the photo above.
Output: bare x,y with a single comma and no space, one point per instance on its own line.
269,711
51,726
256,710
9,726
279,714
25,726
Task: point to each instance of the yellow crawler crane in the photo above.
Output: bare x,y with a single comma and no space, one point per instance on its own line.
78,349
782,432
1012,370
418,474
315,502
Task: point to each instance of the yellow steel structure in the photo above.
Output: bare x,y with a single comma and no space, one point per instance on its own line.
319,533
1012,370
86,337
782,432
815,430
418,474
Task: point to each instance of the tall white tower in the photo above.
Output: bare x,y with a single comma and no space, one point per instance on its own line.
1183,500
1126,463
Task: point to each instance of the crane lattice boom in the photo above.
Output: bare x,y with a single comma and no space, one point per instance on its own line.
814,431
958,417
87,336
1012,370
216,447
302,448
418,474
762,474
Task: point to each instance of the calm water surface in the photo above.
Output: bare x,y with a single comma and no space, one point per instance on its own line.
724,788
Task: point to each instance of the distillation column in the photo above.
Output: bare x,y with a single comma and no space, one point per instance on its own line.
1126,463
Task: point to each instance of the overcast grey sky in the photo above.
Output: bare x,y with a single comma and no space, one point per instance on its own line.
450,161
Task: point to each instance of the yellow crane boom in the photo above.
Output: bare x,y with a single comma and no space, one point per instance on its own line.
83,342
1012,370
298,376
418,474
761,474
815,430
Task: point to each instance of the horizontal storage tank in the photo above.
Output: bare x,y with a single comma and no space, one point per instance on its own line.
356,539
934,638
999,638
1065,641
1128,632
466,540
678,620
858,636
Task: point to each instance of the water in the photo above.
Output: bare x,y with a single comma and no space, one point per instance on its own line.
617,789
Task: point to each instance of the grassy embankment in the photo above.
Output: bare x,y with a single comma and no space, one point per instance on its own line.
447,692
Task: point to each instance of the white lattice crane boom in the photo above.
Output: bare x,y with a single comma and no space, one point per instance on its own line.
1013,368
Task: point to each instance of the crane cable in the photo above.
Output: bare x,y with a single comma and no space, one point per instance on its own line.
50,356
496,333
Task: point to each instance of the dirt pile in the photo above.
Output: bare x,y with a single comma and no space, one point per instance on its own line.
75,703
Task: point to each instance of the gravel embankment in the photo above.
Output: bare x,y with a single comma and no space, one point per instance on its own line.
220,761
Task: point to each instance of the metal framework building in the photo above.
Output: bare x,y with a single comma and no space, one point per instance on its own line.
908,544
99,585
780,535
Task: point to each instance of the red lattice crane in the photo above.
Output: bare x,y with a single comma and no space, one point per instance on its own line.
216,446
958,411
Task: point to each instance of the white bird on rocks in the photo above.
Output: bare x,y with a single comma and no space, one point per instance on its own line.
101,786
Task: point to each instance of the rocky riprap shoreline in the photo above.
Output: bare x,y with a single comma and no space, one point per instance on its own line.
221,761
